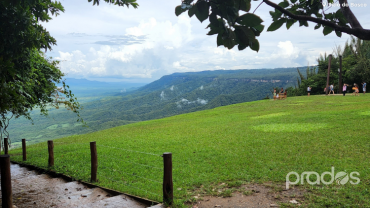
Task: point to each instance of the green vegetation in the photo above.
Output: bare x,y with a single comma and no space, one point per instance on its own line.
242,30
355,69
28,78
105,106
254,142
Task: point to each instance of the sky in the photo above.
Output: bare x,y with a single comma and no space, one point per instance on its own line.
120,44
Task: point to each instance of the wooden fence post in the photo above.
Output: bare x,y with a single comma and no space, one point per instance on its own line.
51,153
6,145
94,161
6,185
340,75
24,149
167,179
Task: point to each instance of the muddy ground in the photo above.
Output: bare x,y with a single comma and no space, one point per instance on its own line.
253,195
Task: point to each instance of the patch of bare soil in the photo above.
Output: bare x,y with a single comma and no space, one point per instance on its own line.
253,195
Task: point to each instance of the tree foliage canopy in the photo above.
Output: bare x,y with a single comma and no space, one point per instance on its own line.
234,24
118,2
355,68
28,79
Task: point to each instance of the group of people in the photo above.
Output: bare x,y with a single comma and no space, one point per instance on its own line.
281,94
355,88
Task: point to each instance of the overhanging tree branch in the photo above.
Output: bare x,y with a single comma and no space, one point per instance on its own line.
356,29
347,12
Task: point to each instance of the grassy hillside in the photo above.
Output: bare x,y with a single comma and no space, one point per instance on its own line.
171,95
252,142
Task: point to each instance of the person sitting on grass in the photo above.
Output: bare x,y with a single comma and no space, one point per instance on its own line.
356,90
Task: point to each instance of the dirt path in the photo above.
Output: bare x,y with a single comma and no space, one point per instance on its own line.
31,189
254,196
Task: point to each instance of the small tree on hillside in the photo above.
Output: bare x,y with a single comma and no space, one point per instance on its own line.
28,79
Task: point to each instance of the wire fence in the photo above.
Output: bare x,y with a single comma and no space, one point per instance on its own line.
134,172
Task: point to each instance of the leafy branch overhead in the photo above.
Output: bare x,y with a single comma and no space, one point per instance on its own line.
234,24
118,2
28,79
231,28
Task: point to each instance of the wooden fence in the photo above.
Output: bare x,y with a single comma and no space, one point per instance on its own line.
6,177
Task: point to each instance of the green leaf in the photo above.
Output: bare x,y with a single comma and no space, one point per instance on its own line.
245,5
255,45
241,36
179,10
213,19
231,34
192,11
303,23
339,15
202,11
339,33
284,4
249,20
229,43
327,30
289,23
245,34
241,46
232,14
329,16
220,41
276,25
276,15
317,26
214,30
259,27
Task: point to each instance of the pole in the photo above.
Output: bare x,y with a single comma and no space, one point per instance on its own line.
6,145
167,179
340,75
6,184
51,153
327,80
24,149
94,161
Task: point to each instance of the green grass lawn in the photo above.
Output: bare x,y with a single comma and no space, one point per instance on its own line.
254,142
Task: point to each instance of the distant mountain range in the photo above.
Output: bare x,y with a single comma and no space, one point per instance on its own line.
170,95
84,87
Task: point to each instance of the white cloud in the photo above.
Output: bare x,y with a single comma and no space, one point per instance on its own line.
162,95
201,101
111,41
287,49
184,101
